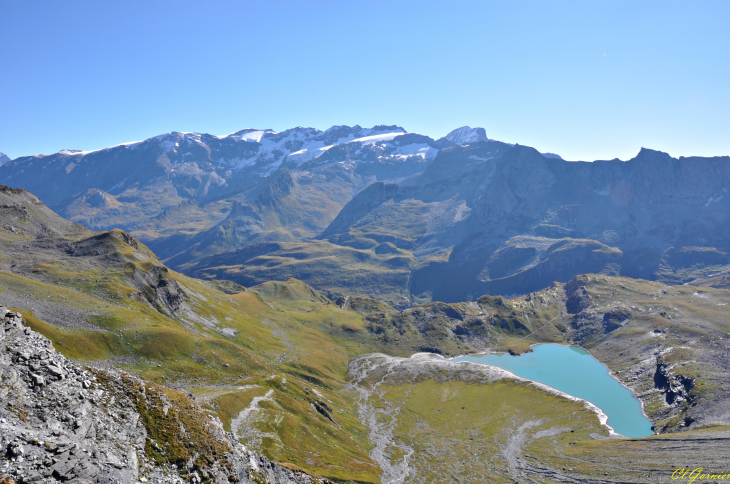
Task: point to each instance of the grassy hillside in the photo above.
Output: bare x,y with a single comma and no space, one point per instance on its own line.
381,271
239,347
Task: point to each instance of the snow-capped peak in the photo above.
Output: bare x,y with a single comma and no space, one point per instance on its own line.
261,151
465,135
3,158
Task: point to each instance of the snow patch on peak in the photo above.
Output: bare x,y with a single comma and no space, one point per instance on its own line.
249,134
313,150
376,138
3,158
465,135
173,141
169,141
129,144
423,150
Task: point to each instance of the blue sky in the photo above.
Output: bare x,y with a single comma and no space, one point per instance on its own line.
587,79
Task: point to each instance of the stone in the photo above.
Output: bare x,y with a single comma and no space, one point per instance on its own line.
33,477
65,466
16,449
55,371
38,380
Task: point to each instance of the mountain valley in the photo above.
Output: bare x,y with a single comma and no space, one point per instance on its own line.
297,378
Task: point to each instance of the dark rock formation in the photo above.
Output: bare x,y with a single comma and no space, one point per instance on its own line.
676,388
613,320
578,298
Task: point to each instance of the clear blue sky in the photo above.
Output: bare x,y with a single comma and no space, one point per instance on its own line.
585,79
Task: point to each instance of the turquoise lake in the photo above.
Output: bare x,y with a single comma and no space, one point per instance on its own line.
575,372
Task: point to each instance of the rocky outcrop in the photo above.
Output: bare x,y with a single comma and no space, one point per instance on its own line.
578,298
24,214
145,272
613,320
161,291
676,388
588,322
60,422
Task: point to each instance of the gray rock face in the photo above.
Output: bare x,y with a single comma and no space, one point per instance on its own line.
60,422
23,213
465,135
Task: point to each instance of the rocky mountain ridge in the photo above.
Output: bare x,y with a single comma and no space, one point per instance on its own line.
170,188
419,219
500,217
201,165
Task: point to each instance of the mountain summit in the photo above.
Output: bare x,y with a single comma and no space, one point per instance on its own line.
465,135
3,158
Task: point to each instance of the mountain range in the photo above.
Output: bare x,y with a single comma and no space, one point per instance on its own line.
399,216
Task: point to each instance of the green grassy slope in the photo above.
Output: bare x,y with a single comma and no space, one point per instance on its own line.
237,345
333,269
